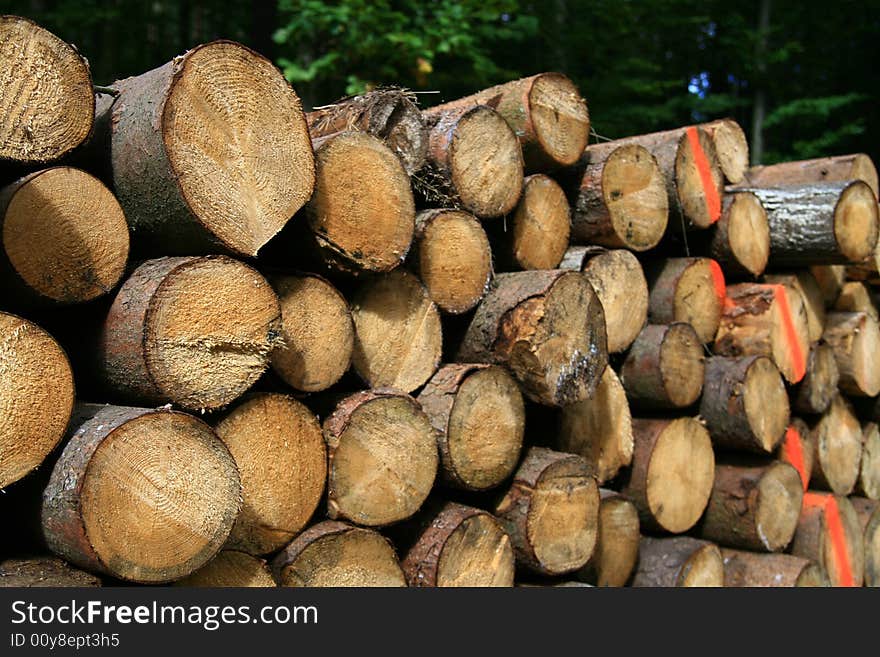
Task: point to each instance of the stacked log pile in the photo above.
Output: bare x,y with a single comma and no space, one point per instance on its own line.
381,345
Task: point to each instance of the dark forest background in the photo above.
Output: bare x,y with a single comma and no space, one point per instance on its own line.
800,76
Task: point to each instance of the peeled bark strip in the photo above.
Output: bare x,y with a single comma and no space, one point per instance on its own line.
36,395
548,328
756,569
453,258
362,213
814,393
317,333
839,168
194,331
664,367
688,290
389,114
868,512
546,112
231,568
474,161
209,151
335,554
744,403
46,100
382,458
731,147
672,471
620,199
64,237
838,437
809,303
398,336
868,484
855,297
820,224
799,449
279,449
680,561
765,320
143,495
753,508
536,234
479,416
617,544
855,339
829,534
599,428
741,238
462,546
551,512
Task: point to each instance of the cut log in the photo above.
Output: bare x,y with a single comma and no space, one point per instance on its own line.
479,416
46,100
855,340
64,236
194,331
741,238
210,151
462,547
868,484
41,572
814,393
829,534
687,290
389,114
548,328
763,320
546,112
362,213
838,438
453,258
755,569
753,508
474,161
279,449
36,395
599,428
679,561
317,333
810,303
231,568
142,495
398,336
855,297
382,458
551,512
744,403
731,146
620,198
536,235
664,367
839,168
820,224
619,282
672,471
335,554
830,279
868,512
617,543
799,449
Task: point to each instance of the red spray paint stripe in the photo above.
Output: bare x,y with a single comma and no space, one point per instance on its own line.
794,453
838,541
718,280
798,361
713,199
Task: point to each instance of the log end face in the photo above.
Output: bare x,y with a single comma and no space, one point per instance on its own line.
231,568
560,120
704,568
732,149
780,495
765,401
748,233
541,225
681,364
478,553
699,182
619,282
857,222
699,297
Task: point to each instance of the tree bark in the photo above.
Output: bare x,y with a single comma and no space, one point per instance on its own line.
33,572
680,561
838,168
756,569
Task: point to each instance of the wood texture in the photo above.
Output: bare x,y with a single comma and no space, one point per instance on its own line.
680,561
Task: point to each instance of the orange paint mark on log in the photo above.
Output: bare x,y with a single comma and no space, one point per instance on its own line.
713,198
838,541
718,280
798,360
793,450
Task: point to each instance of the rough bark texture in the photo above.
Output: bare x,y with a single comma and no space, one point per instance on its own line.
681,561
34,572
755,569
825,169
